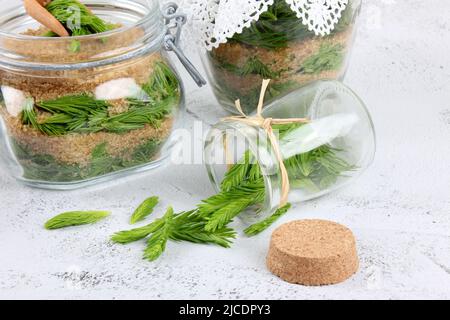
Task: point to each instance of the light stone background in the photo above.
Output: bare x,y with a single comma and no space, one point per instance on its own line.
399,210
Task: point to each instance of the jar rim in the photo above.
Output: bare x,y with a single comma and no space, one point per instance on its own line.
152,18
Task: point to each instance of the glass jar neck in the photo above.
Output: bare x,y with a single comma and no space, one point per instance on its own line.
226,145
140,30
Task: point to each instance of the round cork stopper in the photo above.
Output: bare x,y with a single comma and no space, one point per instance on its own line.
313,253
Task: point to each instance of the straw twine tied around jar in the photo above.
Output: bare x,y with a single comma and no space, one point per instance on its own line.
266,124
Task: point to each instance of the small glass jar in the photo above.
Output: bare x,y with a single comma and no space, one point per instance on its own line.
336,145
84,109
279,47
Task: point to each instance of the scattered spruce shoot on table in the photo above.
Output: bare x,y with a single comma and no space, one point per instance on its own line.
281,47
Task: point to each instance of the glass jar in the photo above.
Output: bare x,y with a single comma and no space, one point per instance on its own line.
334,146
84,109
279,47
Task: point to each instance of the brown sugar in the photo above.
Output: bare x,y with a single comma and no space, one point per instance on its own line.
313,253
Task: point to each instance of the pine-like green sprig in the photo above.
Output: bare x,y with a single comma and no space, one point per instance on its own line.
237,173
255,66
279,25
129,236
329,57
274,29
84,114
144,210
190,227
163,82
186,226
221,209
245,190
77,18
75,218
29,114
156,244
259,227
242,188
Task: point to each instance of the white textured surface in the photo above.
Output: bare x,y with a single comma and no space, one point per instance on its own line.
399,210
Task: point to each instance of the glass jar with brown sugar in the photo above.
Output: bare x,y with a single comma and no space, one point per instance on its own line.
86,108
279,45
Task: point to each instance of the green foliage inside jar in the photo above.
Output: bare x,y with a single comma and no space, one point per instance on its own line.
84,113
278,46
242,189
81,120
89,23
76,125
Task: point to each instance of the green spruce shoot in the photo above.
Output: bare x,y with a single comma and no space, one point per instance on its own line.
75,218
77,18
83,113
259,227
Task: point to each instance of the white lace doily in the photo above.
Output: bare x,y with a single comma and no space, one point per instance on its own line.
215,21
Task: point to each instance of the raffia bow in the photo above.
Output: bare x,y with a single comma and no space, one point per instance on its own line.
266,124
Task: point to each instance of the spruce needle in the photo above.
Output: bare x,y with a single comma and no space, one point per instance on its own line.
145,209
75,218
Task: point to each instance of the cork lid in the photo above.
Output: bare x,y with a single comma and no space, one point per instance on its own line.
313,252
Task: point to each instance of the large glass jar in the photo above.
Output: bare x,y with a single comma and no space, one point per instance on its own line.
335,145
279,47
83,109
